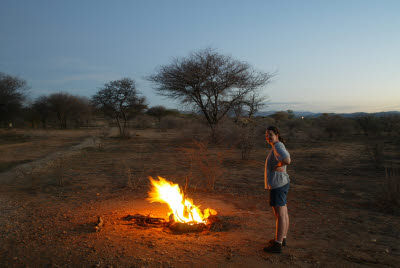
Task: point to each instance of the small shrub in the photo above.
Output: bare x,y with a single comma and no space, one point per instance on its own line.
192,130
389,196
133,180
142,122
170,122
59,168
208,164
245,135
375,150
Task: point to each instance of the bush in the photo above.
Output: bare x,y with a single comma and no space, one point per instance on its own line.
371,126
142,122
389,196
170,122
133,179
249,137
193,130
375,150
207,163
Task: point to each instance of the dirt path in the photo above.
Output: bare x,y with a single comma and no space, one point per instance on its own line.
9,176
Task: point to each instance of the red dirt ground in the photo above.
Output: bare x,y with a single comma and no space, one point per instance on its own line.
333,217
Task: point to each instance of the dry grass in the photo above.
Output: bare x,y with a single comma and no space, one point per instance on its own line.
36,177
331,182
207,162
133,179
389,196
375,150
27,145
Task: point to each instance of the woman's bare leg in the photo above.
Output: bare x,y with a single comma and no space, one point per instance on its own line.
282,224
287,222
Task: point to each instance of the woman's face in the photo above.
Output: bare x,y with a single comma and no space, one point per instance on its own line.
271,137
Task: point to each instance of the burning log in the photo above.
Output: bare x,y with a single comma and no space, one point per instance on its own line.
181,207
183,216
177,227
144,220
187,227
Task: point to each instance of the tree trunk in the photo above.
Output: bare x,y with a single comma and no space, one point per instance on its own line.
60,120
125,122
119,125
214,138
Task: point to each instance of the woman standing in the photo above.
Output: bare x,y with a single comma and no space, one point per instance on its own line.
277,182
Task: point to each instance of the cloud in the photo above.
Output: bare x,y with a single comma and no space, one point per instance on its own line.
333,107
285,103
98,77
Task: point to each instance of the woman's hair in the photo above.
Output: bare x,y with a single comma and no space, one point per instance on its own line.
276,132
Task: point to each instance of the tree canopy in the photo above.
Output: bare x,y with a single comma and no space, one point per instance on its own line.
13,92
120,100
211,82
160,111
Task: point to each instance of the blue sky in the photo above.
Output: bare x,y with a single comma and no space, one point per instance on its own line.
329,56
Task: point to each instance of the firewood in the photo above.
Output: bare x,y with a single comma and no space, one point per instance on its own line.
178,227
144,220
189,227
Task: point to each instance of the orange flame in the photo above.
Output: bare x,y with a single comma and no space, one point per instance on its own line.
182,208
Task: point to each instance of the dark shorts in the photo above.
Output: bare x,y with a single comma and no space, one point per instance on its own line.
277,196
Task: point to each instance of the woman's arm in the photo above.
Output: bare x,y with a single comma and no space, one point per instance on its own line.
279,167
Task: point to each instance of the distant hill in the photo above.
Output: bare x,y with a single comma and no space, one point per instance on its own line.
347,115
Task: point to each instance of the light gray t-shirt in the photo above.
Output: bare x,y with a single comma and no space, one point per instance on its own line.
274,179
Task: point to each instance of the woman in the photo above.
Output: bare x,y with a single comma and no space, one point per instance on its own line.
277,182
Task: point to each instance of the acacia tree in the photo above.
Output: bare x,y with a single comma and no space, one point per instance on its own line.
120,100
211,82
41,107
255,102
65,106
160,111
248,106
60,104
13,92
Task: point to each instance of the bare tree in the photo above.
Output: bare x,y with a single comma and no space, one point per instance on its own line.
248,106
13,92
81,111
41,107
211,82
255,102
63,106
238,110
120,100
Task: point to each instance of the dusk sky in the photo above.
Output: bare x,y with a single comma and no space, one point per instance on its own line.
328,56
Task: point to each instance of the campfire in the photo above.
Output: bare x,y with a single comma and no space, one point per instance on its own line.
183,215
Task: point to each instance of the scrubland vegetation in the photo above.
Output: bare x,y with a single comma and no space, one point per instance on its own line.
66,160
345,181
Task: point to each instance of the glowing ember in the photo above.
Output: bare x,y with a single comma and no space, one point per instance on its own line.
182,208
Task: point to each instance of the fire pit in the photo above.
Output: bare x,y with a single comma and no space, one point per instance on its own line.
188,227
183,216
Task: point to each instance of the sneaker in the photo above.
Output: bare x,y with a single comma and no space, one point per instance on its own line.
274,248
270,242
